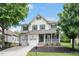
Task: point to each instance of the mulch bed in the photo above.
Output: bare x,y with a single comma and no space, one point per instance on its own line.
54,49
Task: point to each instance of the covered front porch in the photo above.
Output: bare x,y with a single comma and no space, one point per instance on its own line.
48,38
45,36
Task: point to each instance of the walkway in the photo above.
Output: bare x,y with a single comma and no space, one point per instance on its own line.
17,51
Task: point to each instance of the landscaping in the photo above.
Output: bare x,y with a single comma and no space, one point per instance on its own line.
63,50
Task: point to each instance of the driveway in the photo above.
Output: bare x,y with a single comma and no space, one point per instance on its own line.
17,51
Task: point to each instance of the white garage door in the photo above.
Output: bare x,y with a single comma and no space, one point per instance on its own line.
33,39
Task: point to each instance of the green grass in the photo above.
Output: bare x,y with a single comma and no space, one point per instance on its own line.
68,45
51,54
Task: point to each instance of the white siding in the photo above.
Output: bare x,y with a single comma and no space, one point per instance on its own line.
12,39
32,38
38,22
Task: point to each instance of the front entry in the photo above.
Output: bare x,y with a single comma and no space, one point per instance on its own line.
41,37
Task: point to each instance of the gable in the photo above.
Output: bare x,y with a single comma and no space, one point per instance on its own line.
38,19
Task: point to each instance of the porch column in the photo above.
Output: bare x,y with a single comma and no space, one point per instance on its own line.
59,37
51,37
44,38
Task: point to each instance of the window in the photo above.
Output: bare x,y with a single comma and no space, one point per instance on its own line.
42,26
34,27
25,28
38,17
53,26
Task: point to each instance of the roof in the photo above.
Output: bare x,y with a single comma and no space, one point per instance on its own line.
9,32
48,21
41,31
51,22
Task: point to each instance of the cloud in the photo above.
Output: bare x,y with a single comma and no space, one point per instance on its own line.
30,6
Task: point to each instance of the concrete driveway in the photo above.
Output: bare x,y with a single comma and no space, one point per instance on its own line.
17,51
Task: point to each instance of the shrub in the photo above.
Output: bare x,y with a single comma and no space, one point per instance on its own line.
64,38
55,44
78,44
46,44
52,44
7,44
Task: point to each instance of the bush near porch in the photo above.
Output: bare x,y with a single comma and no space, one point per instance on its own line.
53,44
64,38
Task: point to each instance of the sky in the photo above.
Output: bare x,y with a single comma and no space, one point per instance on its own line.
49,11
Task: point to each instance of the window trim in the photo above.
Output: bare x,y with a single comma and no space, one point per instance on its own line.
53,25
25,28
35,27
42,26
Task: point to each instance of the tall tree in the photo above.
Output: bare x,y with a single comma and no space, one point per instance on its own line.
69,20
11,14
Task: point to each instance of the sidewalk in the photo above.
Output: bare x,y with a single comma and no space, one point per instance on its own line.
17,51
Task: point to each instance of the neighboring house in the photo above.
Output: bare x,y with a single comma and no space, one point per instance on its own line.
39,30
10,37
76,40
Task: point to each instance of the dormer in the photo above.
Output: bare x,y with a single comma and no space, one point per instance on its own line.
25,27
38,17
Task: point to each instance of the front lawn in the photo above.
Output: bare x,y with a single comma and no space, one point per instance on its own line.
51,54
68,45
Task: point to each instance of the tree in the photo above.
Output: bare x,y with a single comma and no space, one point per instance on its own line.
11,14
69,21
64,38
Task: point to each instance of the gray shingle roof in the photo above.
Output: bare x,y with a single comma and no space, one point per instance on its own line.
9,32
41,31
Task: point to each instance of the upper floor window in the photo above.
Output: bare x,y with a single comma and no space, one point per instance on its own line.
42,26
34,27
25,28
53,26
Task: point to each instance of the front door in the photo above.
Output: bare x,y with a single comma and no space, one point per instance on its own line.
41,37
48,38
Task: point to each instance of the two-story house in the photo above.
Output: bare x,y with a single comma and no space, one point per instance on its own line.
39,30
